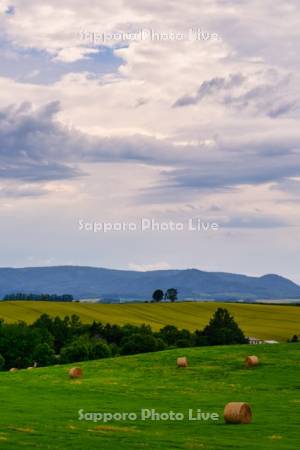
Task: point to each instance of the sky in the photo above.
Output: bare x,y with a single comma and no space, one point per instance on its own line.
123,113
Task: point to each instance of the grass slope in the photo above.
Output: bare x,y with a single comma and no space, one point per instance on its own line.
262,321
39,408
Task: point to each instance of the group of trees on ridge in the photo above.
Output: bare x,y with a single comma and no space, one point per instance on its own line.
170,294
57,341
39,297
157,296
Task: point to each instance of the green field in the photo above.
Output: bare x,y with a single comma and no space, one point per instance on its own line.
262,321
39,408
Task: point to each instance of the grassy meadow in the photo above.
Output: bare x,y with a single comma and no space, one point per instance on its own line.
39,408
262,321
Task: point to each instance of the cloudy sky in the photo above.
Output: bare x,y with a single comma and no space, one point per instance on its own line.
116,111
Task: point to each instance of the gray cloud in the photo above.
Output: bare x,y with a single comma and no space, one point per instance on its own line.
226,170
233,163
208,88
10,10
278,97
34,147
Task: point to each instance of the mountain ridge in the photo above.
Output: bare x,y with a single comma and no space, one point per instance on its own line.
89,281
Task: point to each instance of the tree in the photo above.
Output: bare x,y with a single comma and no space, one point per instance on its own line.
57,327
294,338
44,355
18,343
169,334
141,343
112,334
199,339
223,330
2,362
185,339
99,349
84,349
158,295
78,350
171,294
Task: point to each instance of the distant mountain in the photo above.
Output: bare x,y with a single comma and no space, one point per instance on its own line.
89,282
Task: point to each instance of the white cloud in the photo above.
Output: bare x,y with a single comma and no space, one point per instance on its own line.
147,267
71,54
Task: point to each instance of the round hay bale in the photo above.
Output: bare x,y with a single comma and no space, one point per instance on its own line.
75,372
30,368
251,361
13,369
237,413
182,362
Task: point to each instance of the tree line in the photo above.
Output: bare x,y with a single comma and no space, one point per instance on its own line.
157,296
55,340
39,297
